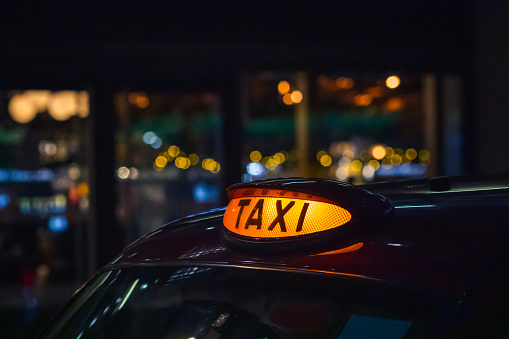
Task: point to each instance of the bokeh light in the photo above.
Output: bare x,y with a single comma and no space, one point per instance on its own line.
255,156
326,160
296,96
392,82
283,87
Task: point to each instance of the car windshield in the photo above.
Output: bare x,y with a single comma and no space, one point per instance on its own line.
220,302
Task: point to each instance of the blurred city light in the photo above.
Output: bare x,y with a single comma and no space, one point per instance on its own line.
149,137
296,96
356,166
255,156
5,200
411,153
174,151
363,99
326,160
63,105
342,173
157,143
374,164
160,161
21,110
23,107
83,189
394,104
344,83
320,154
194,159
368,173
255,169
283,87
133,173
392,82
57,224
280,157
287,99
205,193
424,155
389,152
378,152
139,99
123,172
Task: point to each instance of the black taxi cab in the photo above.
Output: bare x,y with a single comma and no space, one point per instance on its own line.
312,258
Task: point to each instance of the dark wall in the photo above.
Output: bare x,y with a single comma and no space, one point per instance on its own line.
179,43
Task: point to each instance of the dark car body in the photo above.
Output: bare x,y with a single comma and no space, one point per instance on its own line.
437,266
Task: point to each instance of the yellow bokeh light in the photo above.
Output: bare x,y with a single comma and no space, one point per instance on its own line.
392,82
389,152
287,99
22,110
280,157
364,155
326,160
378,152
194,159
320,154
375,164
161,161
206,163
399,151
411,153
296,96
272,162
174,151
356,165
255,156
424,155
283,87
63,105
217,167
397,159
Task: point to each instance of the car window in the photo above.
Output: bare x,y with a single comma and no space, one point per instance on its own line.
218,302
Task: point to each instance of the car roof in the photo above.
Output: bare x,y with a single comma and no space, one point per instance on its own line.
443,240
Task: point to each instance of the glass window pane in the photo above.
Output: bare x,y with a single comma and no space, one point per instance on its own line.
347,126
168,157
44,189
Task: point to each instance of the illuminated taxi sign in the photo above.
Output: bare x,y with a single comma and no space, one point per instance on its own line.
261,216
292,212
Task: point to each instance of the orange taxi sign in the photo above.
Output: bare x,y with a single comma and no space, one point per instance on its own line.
286,214
271,214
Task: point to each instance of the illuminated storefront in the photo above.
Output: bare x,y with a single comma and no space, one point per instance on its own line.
44,187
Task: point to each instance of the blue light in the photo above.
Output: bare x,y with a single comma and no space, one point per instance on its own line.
5,200
255,168
42,175
157,143
4,175
149,137
57,224
205,193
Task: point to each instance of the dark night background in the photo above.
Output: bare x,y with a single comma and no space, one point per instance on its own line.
108,46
